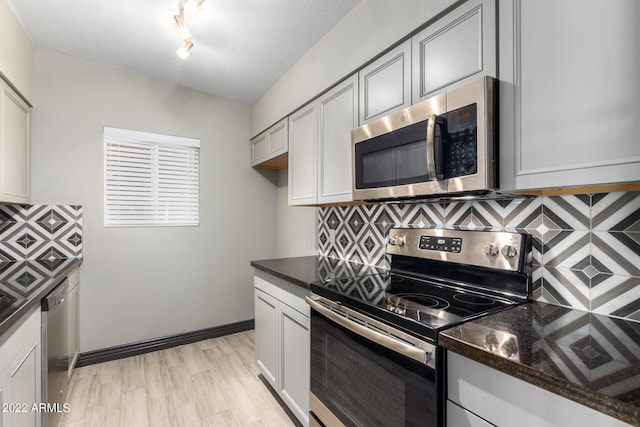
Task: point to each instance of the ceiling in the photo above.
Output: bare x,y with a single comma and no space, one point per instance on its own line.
241,46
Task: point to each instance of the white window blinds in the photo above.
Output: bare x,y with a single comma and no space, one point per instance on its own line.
150,179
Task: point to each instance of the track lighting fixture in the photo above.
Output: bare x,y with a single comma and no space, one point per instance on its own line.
181,27
188,8
191,7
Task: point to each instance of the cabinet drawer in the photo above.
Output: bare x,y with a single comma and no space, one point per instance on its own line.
460,417
481,390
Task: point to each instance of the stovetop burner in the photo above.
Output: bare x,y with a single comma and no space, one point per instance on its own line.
474,299
417,301
431,287
426,305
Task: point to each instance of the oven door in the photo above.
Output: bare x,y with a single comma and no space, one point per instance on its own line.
363,376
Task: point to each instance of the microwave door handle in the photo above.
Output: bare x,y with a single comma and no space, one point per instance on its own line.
431,147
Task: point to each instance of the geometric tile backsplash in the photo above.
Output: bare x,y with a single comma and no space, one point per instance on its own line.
48,235
586,252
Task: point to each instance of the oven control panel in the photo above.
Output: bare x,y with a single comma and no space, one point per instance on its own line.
501,250
443,244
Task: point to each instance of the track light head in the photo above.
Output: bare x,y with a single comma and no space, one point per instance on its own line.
185,49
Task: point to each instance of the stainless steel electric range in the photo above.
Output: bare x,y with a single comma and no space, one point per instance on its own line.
375,359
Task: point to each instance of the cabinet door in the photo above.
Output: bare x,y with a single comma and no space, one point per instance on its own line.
294,365
278,137
266,336
259,149
20,372
459,47
22,381
385,84
269,148
569,117
337,115
303,152
14,147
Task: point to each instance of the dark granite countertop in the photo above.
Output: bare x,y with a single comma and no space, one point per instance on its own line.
24,283
304,270
589,358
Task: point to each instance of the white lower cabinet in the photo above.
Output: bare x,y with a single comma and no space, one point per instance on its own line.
294,361
460,417
481,396
266,338
282,340
20,373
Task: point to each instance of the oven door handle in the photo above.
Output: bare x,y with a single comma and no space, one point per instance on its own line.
431,148
396,344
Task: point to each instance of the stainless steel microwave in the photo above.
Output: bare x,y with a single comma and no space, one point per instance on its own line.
443,146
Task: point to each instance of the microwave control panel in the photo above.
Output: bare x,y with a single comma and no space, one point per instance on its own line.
462,152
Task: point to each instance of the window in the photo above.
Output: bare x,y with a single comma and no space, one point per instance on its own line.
150,179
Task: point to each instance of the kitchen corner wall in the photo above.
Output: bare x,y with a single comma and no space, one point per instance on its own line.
48,235
586,252
144,283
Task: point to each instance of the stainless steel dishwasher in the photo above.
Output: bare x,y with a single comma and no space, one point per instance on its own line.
55,337
72,352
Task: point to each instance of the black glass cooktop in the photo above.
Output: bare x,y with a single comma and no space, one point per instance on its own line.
420,305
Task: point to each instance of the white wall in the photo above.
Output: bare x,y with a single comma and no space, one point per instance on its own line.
143,283
297,225
368,29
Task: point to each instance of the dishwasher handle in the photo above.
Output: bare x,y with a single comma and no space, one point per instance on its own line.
56,297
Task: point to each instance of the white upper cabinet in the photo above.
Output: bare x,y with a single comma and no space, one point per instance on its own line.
569,91
457,48
268,150
259,149
320,147
385,84
16,52
278,138
337,115
303,152
14,146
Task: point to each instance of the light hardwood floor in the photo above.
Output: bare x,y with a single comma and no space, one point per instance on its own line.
208,383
